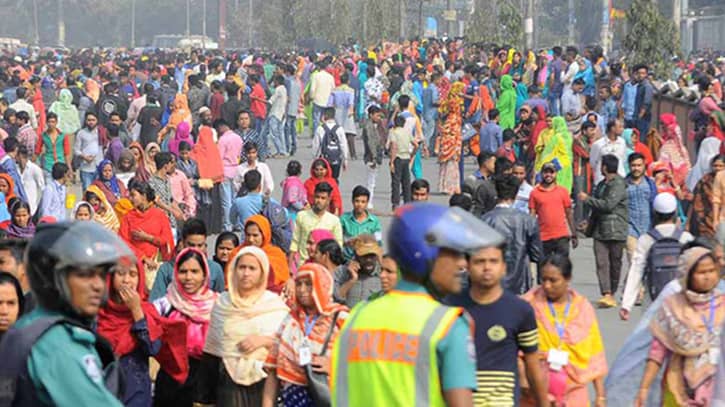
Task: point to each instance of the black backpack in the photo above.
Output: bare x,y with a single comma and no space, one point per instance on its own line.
331,150
662,261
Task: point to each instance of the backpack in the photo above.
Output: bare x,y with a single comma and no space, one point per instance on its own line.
662,260
331,149
281,227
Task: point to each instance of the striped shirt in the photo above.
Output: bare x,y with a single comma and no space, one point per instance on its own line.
502,329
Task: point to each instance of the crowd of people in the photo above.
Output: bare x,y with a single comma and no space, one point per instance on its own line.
297,303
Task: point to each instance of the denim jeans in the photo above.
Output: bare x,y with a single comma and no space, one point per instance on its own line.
400,178
227,195
316,115
554,104
290,134
429,130
276,131
86,179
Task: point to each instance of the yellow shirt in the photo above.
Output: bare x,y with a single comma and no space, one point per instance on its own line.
305,223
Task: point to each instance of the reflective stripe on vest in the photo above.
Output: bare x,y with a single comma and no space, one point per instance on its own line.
422,355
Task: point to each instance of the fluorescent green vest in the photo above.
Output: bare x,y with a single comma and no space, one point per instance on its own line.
386,352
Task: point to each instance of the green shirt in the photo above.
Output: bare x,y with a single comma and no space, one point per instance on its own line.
64,366
352,228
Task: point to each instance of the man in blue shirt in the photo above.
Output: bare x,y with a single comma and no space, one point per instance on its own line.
555,85
431,101
251,201
52,202
491,134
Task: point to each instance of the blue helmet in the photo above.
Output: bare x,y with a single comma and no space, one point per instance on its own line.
420,230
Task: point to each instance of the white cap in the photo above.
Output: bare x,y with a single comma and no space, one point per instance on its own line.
665,203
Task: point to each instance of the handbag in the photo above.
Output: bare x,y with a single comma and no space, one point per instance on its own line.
318,383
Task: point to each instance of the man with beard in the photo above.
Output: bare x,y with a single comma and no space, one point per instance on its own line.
360,279
551,205
316,217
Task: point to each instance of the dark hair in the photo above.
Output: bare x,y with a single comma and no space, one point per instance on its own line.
10,144
399,120
518,163
194,226
563,263
718,157
483,156
221,122
578,81
294,168
162,158
193,254
243,111
16,204
373,110
588,125
404,102
360,191
420,183
610,124
502,165
507,186
89,114
328,113
493,114
224,236
252,180
250,146
634,156
51,115
23,116
332,249
323,188
59,170
610,162
463,201
142,188
345,78
7,278
16,247
184,146
508,135
319,162
20,92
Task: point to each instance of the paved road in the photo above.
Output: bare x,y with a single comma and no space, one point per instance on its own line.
585,281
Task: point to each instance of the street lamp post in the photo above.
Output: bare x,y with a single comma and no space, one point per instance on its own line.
133,23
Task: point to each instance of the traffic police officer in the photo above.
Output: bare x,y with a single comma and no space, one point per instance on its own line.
406,348
52,356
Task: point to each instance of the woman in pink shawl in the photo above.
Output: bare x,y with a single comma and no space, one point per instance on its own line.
183,133
673,149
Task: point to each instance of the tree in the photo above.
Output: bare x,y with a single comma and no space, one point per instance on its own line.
651,38
506,28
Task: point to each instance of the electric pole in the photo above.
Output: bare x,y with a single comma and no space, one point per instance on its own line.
604,34
222,23
133,23
203,24
188,19
36,28
529,24
572,23
401,9
61,24
249,23
365,23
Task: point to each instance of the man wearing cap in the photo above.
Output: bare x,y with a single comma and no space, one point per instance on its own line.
406,348
665,217
361,278
550,204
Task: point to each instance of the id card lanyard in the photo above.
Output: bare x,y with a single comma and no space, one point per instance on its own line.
560,326
309,324
710,322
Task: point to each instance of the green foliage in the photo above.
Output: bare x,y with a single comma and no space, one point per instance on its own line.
651,38
507,28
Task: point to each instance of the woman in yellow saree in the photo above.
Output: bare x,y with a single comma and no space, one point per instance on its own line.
570,344
555,144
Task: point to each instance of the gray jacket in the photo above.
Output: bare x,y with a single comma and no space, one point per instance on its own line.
609,210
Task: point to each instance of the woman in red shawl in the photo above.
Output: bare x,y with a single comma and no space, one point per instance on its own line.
541,125
136,332
39,107
673,149
211,173
320,171
147,230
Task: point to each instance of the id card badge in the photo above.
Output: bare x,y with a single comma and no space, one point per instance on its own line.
557,359
714,355
305,355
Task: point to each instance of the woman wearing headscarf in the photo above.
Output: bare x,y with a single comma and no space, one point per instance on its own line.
709,148
68,119
108,183
567,323
448,145
701,217
103,211
7,187
142,174
189,300
320,171
211,173
21,225
258,233
558,148
179,113
136,332
224,247
313,316
243,324
149,153
685,334
506,103
182,133
631,137
673,149
83,211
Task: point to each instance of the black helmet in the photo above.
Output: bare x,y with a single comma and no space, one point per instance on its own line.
57,248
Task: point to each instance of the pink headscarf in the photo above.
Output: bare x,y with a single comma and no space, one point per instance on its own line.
183,133
319,235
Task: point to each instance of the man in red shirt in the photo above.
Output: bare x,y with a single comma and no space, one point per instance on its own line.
551,205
